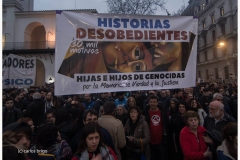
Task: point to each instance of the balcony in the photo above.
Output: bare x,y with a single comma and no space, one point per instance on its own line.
28,45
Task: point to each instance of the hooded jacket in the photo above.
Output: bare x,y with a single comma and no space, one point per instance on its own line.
223,153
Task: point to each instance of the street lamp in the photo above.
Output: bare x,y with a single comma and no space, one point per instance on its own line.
221,44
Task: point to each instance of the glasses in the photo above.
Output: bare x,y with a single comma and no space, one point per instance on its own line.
92,120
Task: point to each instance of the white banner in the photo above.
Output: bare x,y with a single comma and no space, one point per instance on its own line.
107,52
18,71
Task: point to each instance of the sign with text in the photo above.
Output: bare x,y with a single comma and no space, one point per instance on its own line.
18,71
106,52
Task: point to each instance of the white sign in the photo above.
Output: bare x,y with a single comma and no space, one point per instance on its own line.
105,52
18,71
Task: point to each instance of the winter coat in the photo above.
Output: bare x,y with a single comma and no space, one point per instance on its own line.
193,147
141,131
202,114
116,130
14,115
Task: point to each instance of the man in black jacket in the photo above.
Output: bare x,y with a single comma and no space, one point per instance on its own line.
100,102
10,113
35,110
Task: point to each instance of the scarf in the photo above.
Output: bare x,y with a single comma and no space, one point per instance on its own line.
104,151
133,125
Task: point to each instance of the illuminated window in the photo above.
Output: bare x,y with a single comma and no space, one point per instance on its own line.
203,5
213,19
204,24
221,11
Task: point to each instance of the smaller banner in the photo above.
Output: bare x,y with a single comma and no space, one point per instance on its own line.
18,71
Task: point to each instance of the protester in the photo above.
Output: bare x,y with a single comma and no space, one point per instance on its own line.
121,114
10,113
51,116
191,138
121,99
138,134
28,121
91,145
88,102
228,149
114,126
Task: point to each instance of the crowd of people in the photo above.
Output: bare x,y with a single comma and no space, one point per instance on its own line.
190,123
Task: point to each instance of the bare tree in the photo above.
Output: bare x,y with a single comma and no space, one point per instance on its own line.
144,7
179,11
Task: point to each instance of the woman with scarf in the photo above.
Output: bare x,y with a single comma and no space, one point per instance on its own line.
121,114
138,135
91,146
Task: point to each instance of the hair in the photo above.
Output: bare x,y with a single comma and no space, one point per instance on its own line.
189,102
44,90
10,147
215,95
89,128
153,97
184,103
229,134
51,111
62,115
25,119
91,112
46,135
174,91
109,107
136,108
190,114
175,100
24,128
130,98
36,95
9,99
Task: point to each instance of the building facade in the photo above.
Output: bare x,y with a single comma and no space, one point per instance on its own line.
217,38
31,33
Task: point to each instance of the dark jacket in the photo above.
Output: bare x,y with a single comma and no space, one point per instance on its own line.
98,103
35,110
14,115
209,122
107,139
67,130
141,131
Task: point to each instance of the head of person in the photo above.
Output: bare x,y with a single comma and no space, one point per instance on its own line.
153,102
30,94
216,110
120,95
36,95
186,90
206,92
87,97
11,147
189,95
49,96
47,135
230,135
168,93
191,119
63,116
90,115
136,94
194,104
221,90
104,95
218,97
163,93
134,113
91,138
173,103
182,107
120,110
19,95
131,102
108,108
28,121
43,92
51,116
177,93
151,92
109,95
9,103
23,130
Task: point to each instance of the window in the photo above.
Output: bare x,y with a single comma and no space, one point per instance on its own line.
207,2
223,29
215,53
213,18
205,55
226,72
199,74
205,40
199,8
213,36
221,11
204,24
216,73
203,6
207,74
